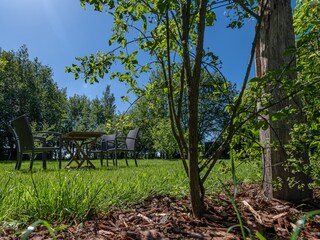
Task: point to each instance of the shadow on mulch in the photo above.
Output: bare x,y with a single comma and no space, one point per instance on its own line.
165,217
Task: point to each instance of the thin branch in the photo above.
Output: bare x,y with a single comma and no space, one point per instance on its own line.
220,6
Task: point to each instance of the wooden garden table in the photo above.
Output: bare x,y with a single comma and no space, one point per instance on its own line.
83,142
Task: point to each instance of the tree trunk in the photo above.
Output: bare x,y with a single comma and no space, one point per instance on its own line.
193,83
277,34
194,178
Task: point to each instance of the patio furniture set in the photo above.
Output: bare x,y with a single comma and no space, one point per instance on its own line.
79,145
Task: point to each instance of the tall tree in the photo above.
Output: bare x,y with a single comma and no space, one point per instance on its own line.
276,37
108,103
78,113
102,110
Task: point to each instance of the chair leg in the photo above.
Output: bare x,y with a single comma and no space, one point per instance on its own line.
113,160
60,153
44,160
101,159
19,160
31,161
135,158
60,158
127,159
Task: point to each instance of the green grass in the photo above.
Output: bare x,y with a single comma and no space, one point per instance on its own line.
63,195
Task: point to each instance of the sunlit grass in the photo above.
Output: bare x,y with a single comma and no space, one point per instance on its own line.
63,195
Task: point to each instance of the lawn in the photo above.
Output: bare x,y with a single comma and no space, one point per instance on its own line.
67,194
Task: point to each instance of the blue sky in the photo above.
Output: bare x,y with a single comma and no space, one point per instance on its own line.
57,31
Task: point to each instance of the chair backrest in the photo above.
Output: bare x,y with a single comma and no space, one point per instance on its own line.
131,139
23,132
108,141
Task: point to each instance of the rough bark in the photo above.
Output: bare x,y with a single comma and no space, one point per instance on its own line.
277,34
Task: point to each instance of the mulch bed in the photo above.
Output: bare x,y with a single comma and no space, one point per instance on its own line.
164,217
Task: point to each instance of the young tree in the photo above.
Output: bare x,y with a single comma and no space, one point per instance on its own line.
172,32
175,26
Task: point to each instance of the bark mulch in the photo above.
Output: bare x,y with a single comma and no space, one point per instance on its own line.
165,217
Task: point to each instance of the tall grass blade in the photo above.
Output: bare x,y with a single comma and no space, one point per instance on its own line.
233,198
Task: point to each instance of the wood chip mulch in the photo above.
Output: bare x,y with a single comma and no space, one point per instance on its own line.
165,217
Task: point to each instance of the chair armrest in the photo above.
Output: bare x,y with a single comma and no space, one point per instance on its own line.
123,139
119,137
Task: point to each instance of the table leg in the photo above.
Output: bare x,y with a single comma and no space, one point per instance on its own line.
85,157
80,156
73,155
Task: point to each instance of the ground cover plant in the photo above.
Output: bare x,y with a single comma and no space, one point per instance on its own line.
78,194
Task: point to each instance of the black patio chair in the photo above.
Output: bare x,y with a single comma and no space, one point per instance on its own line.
33,143
126,144
107,142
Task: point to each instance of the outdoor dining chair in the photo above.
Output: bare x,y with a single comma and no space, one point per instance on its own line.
107,142
33,143
126,144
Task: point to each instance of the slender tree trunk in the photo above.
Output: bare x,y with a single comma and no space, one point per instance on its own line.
193,83
194,178
277,35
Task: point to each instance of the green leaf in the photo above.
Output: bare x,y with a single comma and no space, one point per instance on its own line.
123,43
125,98
68,70
210,17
